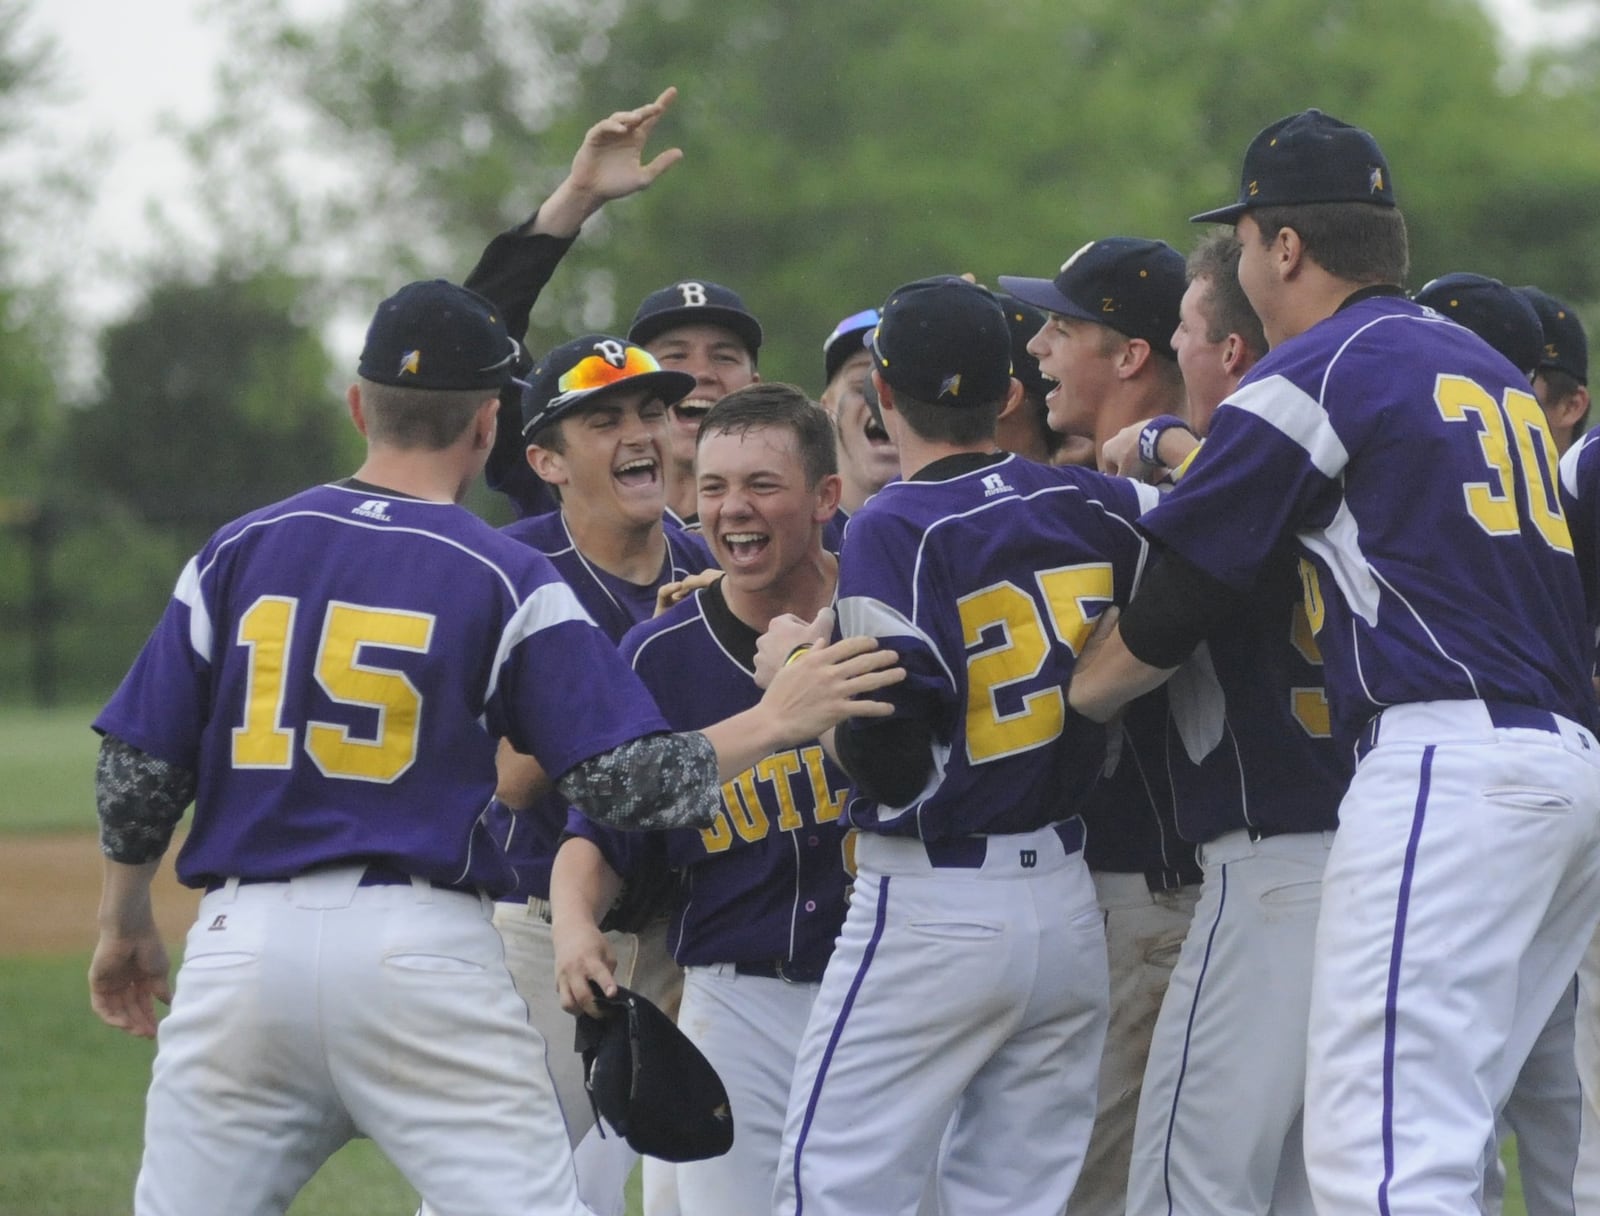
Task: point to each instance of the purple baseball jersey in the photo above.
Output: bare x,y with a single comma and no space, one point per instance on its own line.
530,838
767,883
986,575
1414,468
1580,494
337,668
1249,737
1128,813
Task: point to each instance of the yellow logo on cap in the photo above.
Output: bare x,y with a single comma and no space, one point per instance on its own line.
1255,189
1376,180
951,385
409,362
1550,351
1108,304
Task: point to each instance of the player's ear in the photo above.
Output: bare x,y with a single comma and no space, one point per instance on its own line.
485,423
1014,398
352,400
1135,354
1571,409
1288,253
885,393
829,490
1233,351
548,464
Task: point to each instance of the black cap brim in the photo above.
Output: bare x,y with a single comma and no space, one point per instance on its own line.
1221,215
668,386
1042,293
741,324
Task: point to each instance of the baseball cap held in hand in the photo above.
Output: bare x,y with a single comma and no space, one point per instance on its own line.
434,335
650,1083
1308,157
944,341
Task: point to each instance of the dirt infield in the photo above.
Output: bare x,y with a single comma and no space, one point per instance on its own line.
50,888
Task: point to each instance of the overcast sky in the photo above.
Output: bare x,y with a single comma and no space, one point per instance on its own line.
125,65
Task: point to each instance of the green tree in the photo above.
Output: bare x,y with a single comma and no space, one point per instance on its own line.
214,401
834,149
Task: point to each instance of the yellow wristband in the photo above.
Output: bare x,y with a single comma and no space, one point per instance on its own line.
798,652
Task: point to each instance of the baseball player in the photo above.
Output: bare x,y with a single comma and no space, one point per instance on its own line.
704,329
1561,382
518,263
1451,625
1256,783
1563,375
968,987
596,432
1106,346
867,459
1024,425
764,890
1545,1107
326,684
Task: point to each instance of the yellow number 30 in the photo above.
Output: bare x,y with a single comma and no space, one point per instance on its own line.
1075,595
1493,503
266,630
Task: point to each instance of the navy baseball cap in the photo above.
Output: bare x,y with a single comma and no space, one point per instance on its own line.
1131,285
1024,320
1498,314
1566,347
944,341
589,367
1308,157
434,335
852,334
695,302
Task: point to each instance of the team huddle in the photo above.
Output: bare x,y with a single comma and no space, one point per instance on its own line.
1129,748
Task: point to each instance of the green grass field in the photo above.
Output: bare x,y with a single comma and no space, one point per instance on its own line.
70,1121
47,769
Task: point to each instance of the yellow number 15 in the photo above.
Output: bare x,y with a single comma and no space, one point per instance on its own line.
263,741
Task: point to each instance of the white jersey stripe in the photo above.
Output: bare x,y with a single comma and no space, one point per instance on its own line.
860,616
551,605
187,593
1279,403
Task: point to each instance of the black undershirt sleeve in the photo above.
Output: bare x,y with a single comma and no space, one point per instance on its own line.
889,760
1176,607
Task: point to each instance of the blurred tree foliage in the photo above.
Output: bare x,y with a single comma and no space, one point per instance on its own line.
837,149
214,400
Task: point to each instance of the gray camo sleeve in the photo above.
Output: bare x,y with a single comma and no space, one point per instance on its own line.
659,781
140,799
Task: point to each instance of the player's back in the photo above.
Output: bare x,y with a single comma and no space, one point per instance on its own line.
354,655
1421,477
986,574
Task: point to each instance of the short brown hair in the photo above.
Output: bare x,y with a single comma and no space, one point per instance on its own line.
1359,242
419,418
777,405
949,423
1227,309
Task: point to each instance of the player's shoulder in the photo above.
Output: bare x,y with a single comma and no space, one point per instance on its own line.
684,616
546,533
1580,468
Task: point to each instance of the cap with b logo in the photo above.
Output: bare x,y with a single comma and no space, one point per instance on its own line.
1496,313
435,335
1308,157
578,372
944,341
1566,346
1127,283
695,302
